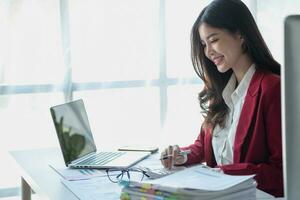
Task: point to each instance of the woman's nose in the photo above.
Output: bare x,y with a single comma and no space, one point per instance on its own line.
209,51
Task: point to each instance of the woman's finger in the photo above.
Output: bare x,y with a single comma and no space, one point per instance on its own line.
163,154
170,158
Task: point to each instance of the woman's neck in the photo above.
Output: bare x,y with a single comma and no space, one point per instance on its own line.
242,67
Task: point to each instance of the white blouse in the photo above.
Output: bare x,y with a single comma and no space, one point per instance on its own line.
223,138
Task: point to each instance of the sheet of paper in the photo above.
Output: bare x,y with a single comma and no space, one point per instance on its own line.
78,174
151,162
94,189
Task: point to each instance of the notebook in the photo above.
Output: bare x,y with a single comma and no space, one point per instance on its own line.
77,143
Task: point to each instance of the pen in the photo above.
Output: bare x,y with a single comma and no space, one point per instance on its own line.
185,152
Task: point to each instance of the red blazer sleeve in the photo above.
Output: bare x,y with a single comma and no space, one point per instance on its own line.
197,149
269,173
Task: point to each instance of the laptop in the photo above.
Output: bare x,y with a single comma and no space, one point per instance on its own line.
77,143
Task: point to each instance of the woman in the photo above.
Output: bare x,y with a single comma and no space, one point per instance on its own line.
241,133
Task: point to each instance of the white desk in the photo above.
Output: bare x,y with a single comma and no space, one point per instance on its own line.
44,181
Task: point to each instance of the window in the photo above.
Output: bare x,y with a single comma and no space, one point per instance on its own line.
128,60
31,73
270,19
114,40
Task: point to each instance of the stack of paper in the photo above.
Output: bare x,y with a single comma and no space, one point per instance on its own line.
192,183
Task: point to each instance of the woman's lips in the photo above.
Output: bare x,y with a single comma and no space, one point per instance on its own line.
218,60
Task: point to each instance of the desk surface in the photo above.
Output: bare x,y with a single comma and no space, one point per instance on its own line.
43,180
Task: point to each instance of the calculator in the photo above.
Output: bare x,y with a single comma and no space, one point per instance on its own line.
155,173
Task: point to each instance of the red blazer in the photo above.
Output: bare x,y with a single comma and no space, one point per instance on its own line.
257,146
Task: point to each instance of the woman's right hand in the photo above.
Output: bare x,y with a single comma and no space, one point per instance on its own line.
171,156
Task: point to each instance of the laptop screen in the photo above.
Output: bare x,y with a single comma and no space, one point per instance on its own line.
73,130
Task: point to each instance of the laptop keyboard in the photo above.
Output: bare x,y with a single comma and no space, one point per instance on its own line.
101,158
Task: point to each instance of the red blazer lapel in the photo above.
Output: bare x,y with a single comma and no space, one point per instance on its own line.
247,115
208,149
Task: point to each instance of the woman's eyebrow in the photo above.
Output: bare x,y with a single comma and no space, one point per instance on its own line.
209,36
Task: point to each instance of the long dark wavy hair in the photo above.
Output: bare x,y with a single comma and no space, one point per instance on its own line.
233,16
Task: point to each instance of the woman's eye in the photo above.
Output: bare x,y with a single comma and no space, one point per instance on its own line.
214,40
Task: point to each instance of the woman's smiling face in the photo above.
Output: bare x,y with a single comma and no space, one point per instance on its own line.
223,48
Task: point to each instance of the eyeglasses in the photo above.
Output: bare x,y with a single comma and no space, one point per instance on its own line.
117,175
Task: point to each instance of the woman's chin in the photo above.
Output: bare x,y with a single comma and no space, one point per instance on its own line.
222,68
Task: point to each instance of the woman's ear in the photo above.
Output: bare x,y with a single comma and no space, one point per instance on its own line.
240,37
244,45
242,41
